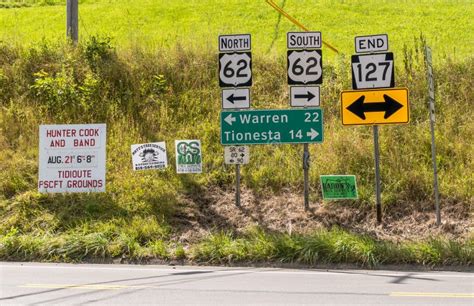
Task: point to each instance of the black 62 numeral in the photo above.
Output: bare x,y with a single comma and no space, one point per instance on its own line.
229,72
298,69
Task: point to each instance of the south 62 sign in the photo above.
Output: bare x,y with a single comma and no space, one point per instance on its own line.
235,69
305,67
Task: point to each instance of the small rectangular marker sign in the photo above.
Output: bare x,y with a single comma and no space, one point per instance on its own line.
339,187
236,98
371,43
303,40
233,43
236,155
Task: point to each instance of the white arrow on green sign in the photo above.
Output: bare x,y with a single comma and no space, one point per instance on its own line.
272,126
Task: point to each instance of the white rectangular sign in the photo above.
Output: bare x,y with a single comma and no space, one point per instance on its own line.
304,96
188,156
232,43
303,40
371,43
236,155
236,98
149,156
72,158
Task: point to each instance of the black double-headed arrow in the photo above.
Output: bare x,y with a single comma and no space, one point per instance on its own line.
309,96
389,106
233,98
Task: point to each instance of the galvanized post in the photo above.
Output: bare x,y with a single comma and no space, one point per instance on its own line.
378,201
431,105
72,20
237,185
306,161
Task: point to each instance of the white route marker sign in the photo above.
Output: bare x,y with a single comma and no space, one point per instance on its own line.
236,98
236,155
373,71
233,43
371,43
303,40
149,156
304,96
72,158
235,60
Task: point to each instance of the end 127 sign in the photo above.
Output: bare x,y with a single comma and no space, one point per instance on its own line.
272,126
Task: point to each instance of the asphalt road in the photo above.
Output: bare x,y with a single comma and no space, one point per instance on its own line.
32,284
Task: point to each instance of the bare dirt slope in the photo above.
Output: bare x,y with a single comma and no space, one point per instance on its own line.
215,209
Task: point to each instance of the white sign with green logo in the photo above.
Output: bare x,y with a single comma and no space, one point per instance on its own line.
188,156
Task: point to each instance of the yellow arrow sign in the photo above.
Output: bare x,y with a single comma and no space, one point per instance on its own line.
368,107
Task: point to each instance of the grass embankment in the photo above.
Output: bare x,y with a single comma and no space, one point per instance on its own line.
174,95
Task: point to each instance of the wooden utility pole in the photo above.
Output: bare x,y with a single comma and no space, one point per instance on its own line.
72,20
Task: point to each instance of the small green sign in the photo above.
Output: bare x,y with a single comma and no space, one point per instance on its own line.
339,187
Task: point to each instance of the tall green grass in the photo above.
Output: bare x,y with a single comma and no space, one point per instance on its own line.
160,24
328,247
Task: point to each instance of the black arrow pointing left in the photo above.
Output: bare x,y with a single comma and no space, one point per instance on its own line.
233,98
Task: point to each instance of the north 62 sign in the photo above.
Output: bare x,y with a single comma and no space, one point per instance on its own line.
305,67
235,69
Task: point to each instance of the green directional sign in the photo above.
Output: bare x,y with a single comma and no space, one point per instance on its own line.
339,187
272,126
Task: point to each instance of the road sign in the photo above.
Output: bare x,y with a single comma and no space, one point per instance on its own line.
72,158
235,69
339,187
367,107
304,96
236,155
373,71
236,98
371,43
188,156
272,126
303,40
149,156
305,67
232,43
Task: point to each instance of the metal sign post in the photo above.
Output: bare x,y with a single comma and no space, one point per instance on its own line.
431,98
378,198
237,185
304,70
72,20
235,76
306,162
369,106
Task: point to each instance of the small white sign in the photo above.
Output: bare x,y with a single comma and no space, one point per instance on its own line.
72,158
236,98
188,156
149,156
304,96
303,40
235,69
236,155
232,43
371,43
